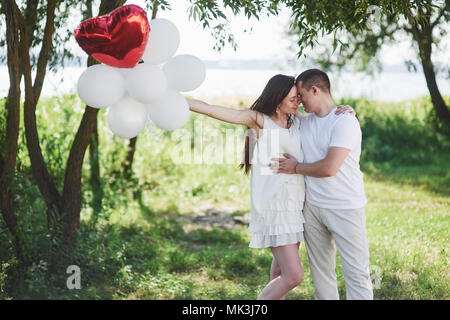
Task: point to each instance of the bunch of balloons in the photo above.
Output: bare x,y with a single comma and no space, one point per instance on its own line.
131,81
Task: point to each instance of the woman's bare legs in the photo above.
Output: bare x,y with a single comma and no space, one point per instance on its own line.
275,271
285,274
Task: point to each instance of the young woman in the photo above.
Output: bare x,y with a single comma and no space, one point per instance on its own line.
276,199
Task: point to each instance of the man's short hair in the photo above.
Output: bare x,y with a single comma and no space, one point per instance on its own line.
314,77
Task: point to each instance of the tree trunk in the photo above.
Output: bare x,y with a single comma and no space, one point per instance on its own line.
436,98
9,140
41,175
424,38
128,163
72,179
95,180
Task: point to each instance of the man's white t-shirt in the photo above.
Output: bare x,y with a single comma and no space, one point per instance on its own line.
344,190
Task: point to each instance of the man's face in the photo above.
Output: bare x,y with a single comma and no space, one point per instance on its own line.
306,98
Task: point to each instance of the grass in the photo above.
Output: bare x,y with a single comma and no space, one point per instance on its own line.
168,233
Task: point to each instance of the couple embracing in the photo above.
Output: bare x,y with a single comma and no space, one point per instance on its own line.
306,184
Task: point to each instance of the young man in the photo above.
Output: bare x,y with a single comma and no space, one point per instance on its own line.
335,199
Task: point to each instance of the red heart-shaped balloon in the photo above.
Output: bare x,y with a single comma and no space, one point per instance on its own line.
117,39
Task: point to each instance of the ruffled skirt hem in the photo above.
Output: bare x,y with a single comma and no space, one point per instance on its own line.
260,240
280,219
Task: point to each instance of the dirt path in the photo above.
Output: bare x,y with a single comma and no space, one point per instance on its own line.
208,217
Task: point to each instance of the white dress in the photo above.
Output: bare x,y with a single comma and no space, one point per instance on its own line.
276,199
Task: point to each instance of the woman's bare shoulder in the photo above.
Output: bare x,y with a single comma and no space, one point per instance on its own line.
257,119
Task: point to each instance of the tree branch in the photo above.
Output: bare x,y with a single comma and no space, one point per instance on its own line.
154,9
41,175
24,47
444,9
31,14
45,49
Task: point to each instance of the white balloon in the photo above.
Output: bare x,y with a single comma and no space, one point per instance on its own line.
170,112
124,71
100,86
127,117
163,41
184,72
146,83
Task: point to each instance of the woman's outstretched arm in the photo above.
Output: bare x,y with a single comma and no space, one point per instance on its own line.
249,118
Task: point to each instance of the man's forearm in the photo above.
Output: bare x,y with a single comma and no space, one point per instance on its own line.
326,167
319,169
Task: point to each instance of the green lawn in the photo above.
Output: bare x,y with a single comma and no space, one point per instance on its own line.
408,239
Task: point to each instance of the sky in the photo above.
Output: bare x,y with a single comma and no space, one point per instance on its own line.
263,39
256,39
252,44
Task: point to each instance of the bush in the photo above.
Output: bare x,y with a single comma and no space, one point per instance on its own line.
401,133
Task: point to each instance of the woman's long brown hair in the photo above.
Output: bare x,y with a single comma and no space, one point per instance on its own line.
274,92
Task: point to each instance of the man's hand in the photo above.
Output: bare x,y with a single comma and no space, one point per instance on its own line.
324,168
284,165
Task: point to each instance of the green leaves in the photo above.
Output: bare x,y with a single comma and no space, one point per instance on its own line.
160,4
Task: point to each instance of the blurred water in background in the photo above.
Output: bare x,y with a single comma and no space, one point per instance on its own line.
387,86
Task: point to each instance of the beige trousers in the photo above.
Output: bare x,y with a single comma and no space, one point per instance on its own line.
326,229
